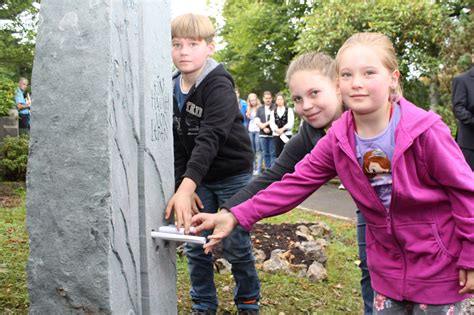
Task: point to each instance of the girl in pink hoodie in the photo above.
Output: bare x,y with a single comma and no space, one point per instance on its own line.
405,173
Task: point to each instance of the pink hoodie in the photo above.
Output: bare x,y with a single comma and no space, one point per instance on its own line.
414,248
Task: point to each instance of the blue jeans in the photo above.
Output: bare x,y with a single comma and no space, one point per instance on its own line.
237,250
267,145
366,287
255,141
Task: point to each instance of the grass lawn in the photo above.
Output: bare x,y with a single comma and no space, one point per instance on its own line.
13,256
283,294
340,294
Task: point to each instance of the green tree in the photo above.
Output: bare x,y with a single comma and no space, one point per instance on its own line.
417,29
260,37
7,94
17,37
456,53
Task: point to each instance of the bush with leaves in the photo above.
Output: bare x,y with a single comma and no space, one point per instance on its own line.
14,157
7,94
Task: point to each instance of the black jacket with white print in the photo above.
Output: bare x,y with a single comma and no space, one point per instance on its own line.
210,140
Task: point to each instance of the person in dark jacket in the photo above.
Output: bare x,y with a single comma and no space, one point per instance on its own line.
463,107
263,122
213,158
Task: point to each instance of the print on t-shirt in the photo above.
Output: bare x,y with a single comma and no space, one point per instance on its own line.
377,167
376,163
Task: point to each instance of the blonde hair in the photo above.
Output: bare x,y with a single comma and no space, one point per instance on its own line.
193,26
256,97
249,106
383,46
313,61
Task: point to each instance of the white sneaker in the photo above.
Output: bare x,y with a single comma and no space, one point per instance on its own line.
341,187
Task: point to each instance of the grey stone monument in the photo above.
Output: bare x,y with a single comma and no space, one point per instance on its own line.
101,160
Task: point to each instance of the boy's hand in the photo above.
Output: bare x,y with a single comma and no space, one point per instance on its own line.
197,204
466,280
223,223
183,202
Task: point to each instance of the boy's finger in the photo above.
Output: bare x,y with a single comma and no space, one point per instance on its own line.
194,208
187,222
168,211
199,202
179,219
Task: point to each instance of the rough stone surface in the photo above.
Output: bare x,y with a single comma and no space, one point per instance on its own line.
100,167
316,272
222,266
277,262
259,256
321,230
313,250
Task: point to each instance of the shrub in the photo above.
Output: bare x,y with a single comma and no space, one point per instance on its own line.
446,113
14,153
7,95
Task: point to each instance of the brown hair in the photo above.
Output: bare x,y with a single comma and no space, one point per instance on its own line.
193,26
316,61
267,93
280,94
378,157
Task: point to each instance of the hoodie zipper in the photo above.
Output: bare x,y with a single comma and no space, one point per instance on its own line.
388,219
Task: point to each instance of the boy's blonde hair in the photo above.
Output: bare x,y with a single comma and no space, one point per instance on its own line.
313,61
382,44
193,26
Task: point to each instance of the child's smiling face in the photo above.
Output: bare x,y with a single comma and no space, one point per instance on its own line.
315,98
364,81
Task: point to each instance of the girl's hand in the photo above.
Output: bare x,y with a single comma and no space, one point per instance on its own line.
466,280
223,223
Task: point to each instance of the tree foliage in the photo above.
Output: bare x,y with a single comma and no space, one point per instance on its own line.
17,37
260,37
14,152
7,94
417,29
431,38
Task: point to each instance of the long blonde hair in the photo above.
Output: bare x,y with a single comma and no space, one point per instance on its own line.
249,106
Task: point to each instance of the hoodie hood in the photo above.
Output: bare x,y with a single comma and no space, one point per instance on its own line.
413,122
210,65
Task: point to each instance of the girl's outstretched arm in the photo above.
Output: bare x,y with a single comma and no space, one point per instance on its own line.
223,224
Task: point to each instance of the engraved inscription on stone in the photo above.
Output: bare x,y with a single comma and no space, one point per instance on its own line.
160,124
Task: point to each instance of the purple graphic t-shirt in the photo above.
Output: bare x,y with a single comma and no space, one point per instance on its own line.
375,157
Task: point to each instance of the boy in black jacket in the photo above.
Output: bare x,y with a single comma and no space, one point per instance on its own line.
213,158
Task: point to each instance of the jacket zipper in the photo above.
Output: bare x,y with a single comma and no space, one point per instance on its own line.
404,266
388,220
